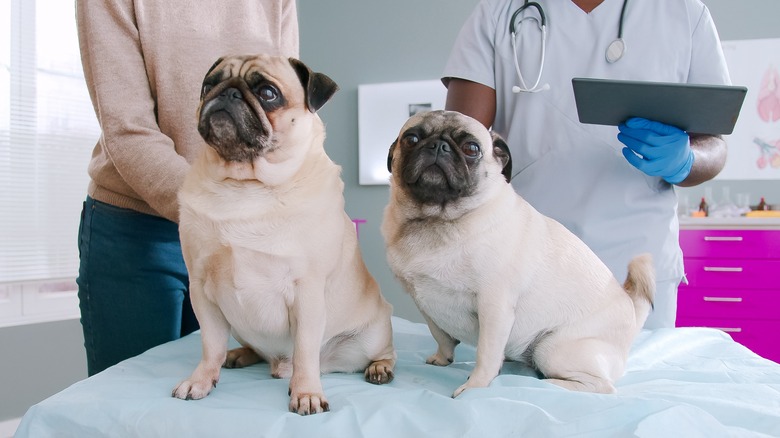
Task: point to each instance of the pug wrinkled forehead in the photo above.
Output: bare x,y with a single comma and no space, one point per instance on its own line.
440,156
266,75
442,120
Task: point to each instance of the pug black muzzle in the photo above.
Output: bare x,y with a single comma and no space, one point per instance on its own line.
436,171
233,120
441,160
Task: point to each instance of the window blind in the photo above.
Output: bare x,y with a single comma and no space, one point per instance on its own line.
47,132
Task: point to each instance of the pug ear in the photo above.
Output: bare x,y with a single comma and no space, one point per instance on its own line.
207,80
501,152
319,87
213,66
390,156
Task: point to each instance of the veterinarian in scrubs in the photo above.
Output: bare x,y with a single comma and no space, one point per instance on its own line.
586,176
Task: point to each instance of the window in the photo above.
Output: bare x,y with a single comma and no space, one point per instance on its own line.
47,132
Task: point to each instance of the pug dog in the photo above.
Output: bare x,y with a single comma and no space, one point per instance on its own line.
272,255
484,267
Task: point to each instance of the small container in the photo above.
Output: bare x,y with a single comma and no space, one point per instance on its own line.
762,205
703,208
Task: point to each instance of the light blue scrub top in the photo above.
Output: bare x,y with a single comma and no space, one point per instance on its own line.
572,172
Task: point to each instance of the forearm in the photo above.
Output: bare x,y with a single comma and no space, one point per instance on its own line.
709,158
472,99
114,68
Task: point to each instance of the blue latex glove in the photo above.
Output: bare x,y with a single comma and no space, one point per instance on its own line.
657,149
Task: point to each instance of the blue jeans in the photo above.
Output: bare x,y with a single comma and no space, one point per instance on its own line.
133,284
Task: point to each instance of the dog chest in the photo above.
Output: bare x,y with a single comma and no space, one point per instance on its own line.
253,290
453,309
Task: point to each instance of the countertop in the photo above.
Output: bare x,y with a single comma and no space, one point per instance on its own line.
705,223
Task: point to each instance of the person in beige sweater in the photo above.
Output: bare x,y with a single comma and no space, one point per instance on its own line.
143,62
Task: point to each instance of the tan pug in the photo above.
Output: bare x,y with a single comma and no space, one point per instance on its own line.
271,253
484,267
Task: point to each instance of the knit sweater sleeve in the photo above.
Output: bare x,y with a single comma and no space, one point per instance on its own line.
288,37
114,69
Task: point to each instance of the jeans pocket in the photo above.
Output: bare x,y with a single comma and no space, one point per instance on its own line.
80,238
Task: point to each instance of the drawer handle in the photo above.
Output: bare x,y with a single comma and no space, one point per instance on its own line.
729,329
723,238
721,269
723,299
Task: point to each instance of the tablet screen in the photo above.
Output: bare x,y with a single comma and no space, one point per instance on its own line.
695,108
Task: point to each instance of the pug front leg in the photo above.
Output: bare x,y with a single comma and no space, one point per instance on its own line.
496,319
445,353
214,333
307,315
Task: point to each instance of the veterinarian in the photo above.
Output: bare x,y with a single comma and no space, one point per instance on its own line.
586,176
144,62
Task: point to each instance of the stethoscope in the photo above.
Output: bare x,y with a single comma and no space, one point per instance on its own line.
615,50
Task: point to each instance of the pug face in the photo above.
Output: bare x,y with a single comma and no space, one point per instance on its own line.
442,156
251,106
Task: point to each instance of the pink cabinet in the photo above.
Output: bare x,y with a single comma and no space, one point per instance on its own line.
733,285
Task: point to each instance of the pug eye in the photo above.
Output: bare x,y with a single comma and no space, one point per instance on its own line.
206,89
471,150
412,139
267,93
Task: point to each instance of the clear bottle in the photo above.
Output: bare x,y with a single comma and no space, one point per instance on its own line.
711,202
725,207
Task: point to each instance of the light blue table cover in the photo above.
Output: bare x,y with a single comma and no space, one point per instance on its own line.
684,382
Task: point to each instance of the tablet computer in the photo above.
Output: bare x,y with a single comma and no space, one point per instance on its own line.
701,109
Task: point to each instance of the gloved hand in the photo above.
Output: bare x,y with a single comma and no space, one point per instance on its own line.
663,150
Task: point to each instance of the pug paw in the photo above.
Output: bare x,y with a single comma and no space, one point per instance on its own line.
193,389
439,359
281,368
241,357
380,372
308,403
474,381
460,390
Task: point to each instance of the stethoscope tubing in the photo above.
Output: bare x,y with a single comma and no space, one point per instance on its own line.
542,23
614,52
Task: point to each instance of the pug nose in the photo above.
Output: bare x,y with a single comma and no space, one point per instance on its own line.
440,146
231,93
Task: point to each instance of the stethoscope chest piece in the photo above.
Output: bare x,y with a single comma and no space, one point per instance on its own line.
615,50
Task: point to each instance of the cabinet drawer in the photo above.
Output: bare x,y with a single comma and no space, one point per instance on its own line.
730,243
733,273
762,337
728,303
